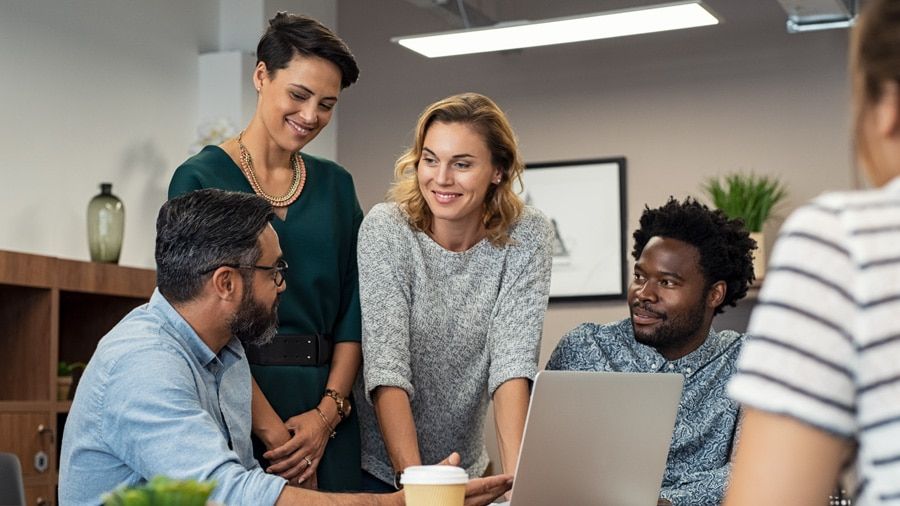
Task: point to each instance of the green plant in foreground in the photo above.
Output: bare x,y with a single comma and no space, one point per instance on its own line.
749,197
162,491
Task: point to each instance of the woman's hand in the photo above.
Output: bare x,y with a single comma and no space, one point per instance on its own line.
301,454
481,491
312,483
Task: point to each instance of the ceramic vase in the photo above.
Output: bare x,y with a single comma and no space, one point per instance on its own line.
106,225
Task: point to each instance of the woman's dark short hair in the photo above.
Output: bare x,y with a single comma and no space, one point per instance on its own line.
202,230
725,246
291,34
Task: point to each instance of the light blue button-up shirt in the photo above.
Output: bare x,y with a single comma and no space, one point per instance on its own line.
155,400
698,463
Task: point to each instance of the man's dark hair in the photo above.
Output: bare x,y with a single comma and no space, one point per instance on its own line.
202,230
724,244
292,34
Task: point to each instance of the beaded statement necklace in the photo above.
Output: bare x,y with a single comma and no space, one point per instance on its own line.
297,180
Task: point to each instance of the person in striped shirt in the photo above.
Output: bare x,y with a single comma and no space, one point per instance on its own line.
819,378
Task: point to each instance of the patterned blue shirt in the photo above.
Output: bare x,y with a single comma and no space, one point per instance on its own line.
155,400
698,463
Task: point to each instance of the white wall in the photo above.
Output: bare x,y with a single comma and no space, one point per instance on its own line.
95,90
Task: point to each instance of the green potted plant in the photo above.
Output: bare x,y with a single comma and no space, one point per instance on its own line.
752,198
65,373
162,491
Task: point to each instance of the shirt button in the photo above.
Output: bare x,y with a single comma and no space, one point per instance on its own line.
654,366
688,370
671,366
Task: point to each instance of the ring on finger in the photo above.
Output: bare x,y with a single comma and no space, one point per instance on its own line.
308,461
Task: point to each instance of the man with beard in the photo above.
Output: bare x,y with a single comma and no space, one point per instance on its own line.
690,262
168,390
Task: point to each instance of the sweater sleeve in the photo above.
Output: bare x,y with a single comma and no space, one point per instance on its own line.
514,337
384,290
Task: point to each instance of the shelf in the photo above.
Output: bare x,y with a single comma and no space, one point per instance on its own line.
23,269
25,406
51,310
84,318
105,279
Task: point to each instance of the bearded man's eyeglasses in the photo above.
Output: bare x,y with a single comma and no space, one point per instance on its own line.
279,269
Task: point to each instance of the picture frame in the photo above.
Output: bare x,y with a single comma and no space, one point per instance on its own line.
585,202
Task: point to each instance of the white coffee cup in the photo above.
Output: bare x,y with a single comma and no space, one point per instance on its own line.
434,485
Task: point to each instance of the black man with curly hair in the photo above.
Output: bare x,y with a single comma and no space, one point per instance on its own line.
690,263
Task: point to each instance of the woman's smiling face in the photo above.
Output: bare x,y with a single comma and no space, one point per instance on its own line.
296,102
455,172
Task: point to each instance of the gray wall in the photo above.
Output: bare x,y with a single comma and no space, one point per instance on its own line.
681,106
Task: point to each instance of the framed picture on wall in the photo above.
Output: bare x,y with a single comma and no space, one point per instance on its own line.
585,202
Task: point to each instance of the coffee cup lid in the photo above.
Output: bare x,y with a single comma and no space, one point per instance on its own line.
434,475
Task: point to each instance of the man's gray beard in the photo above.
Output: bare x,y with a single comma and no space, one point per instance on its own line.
267,336
252,324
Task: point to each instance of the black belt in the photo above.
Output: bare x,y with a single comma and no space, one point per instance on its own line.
314,349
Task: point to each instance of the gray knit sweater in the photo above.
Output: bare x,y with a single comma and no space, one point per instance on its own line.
447,327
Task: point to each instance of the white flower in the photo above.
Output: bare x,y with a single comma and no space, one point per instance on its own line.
212,132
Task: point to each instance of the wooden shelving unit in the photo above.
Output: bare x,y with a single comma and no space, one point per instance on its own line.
50,310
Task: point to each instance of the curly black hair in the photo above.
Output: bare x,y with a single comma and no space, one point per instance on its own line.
724,244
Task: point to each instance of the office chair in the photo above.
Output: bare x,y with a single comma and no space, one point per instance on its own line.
12,492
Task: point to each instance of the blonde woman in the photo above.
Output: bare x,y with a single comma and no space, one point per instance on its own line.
454,279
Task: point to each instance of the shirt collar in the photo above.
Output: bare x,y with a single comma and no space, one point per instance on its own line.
713,345
230,353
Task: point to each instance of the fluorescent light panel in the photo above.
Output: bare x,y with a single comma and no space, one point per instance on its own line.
561,30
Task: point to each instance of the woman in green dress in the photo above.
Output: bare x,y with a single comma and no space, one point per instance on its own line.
303,419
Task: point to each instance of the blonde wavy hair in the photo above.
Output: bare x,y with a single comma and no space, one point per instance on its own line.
502,205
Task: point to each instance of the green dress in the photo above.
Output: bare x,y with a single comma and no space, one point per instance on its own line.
318,240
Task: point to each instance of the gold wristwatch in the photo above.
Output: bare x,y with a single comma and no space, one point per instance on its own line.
341,402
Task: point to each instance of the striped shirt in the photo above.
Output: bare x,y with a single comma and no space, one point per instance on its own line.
825,345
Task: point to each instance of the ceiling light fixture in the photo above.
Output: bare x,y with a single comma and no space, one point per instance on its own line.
812,15
516,35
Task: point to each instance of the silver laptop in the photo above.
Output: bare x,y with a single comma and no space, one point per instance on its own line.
596,438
